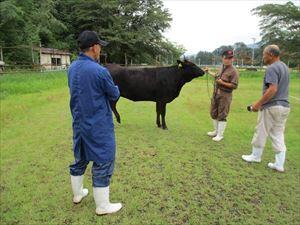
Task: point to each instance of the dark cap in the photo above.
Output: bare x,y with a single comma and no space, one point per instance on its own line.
89,38
227,54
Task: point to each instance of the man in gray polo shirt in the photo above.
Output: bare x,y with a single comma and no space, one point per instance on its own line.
273,110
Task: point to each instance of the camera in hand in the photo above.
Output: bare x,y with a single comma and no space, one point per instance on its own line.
249,108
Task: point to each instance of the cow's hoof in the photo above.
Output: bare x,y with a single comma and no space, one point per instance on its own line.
158,125
164,128
119,120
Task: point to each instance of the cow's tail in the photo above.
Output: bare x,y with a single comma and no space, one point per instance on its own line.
113,105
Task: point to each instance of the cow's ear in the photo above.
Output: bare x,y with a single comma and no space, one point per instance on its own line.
180,64
178,61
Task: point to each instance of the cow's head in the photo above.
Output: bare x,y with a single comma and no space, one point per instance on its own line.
189,70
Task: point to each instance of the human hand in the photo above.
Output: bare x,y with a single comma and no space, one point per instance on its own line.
219,81
256,106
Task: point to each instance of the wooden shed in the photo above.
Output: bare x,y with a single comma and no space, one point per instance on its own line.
54,59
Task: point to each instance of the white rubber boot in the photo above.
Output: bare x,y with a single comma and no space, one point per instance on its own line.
214,132
78,191
279,162
255,156
103,206
220,130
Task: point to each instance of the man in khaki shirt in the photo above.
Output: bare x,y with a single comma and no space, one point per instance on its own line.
226,80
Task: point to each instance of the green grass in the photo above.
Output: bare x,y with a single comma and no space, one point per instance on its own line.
178,176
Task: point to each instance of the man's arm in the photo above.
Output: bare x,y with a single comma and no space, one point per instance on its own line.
111,90
226,84
209,72
270,92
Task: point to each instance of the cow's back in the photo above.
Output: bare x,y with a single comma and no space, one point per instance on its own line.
146,84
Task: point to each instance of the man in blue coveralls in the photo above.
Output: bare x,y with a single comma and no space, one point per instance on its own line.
91,89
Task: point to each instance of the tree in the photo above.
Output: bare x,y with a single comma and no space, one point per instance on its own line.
218,52
26,23
280,24
242,53
142,23
204,58
133,27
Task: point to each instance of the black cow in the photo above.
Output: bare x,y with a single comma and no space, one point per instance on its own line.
160,84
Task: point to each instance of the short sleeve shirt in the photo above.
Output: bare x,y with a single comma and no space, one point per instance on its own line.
278,74
230,75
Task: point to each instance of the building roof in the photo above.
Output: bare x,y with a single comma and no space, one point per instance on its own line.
53,51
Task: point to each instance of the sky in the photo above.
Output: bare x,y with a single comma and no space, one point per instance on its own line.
206,25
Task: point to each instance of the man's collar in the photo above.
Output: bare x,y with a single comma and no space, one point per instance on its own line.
226,66
84,56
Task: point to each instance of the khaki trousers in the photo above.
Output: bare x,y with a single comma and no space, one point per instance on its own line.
271,122
220,105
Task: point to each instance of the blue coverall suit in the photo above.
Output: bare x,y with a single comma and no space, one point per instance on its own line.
91,88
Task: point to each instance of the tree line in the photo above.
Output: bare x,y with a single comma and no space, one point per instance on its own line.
134,29
244,55
279,24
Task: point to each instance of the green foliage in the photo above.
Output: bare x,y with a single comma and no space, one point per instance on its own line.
179,176
242,52
24,24
205,58
212,58
133,28
280,24
11,22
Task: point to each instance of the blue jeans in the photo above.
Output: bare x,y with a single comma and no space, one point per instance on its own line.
101,172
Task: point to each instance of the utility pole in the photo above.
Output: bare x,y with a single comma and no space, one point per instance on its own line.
32,54
41,65
1,50
1,53
125,58
253,50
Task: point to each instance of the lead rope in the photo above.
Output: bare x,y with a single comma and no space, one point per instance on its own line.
213,82
207,86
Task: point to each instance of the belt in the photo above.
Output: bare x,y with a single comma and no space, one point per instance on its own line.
225,90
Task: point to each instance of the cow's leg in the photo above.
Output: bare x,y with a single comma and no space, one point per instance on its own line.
163,115
158,112
113,105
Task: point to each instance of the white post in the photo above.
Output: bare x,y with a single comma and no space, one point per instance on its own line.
1,53
41,56
253,50
32,54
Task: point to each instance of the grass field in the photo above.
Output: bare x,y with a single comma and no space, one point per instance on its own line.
178,176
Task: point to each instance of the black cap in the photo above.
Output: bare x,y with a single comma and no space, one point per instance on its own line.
89,38
227,54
